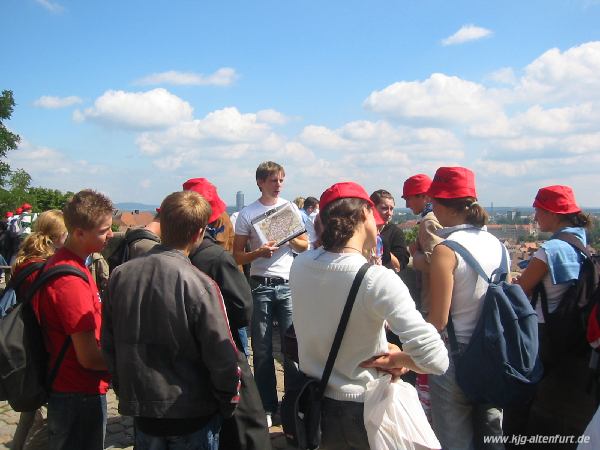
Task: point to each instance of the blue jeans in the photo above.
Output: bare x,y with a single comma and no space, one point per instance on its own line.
458,423
207,438
270,302
243,333
76,421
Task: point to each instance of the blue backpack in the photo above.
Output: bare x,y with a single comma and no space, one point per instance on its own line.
500,365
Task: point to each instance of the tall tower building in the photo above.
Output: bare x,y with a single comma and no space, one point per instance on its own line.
239,200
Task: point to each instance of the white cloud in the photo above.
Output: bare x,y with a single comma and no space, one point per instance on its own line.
568,76
465,34
52,168
272,116
157,108
51,102
505,75
224,76
439,98
54,7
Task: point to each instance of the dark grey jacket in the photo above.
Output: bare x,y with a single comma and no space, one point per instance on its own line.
166,339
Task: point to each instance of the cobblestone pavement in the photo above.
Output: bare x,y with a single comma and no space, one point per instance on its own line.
119,429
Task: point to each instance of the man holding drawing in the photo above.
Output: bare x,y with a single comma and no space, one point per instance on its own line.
260,225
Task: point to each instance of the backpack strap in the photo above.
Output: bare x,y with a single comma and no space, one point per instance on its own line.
16,281
497,275
339,334
43,278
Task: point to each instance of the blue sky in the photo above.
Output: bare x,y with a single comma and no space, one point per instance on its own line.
134,97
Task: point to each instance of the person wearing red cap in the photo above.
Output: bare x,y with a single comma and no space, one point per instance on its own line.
414,192
219,225
320,281
458,423
395,254
269,278
562,404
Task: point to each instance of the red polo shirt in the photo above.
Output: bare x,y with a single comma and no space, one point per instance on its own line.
65,306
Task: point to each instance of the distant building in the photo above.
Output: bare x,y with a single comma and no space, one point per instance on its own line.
131,219
239,200
511,232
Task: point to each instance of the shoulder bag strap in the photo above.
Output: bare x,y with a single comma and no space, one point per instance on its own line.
339,334
43,278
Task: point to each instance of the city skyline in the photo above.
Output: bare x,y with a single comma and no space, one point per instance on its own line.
134,98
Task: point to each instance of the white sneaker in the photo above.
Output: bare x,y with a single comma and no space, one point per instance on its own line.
269,421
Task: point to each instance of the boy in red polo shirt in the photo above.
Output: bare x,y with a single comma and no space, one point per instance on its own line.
69,308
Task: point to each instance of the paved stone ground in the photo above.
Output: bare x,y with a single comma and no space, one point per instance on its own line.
119,429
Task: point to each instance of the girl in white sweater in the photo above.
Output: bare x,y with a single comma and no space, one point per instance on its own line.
320,281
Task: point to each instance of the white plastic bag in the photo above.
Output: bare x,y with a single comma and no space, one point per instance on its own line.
394,417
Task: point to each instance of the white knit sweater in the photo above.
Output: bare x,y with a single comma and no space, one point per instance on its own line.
320,282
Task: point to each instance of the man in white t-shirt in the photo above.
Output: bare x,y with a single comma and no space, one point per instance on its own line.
269,279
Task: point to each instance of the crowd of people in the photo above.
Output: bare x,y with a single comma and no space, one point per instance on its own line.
172,340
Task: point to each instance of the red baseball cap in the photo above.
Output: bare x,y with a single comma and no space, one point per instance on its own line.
452,182
557,199
207,190
9,214
26,206
415,185
346,189
378,219
19,210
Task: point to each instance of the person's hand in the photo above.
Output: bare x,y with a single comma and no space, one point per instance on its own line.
387,362
267,249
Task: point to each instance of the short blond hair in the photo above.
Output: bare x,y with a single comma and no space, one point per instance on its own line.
182,215
51,223
86,210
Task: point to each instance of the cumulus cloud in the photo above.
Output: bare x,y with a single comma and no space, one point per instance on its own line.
571,75
157,108
53,7
467,33
53,168
51,102
505,75
441,97
224,76
272,116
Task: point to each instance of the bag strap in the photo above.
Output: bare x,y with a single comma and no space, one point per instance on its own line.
570,238
43,278
16,281
339,334
497,275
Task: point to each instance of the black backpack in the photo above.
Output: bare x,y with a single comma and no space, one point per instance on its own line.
118,254
24,378
566,327
9,296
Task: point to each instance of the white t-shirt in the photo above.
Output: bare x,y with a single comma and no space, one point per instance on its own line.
277,265
554,292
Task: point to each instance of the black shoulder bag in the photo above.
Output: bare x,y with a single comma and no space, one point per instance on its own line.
301,407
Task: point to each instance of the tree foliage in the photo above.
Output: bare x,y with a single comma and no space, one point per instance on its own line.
8,140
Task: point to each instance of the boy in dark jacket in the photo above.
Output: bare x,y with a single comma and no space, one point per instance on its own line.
166,338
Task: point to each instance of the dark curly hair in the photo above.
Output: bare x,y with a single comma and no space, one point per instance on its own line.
339,219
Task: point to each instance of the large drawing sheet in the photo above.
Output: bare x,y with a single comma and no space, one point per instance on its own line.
279,224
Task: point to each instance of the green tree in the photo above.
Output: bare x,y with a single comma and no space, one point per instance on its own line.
410,236
43,199
8,140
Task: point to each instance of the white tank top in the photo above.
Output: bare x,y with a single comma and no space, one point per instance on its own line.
469,289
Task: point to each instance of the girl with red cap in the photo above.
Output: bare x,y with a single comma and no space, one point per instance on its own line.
320,280
456,291
562,404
